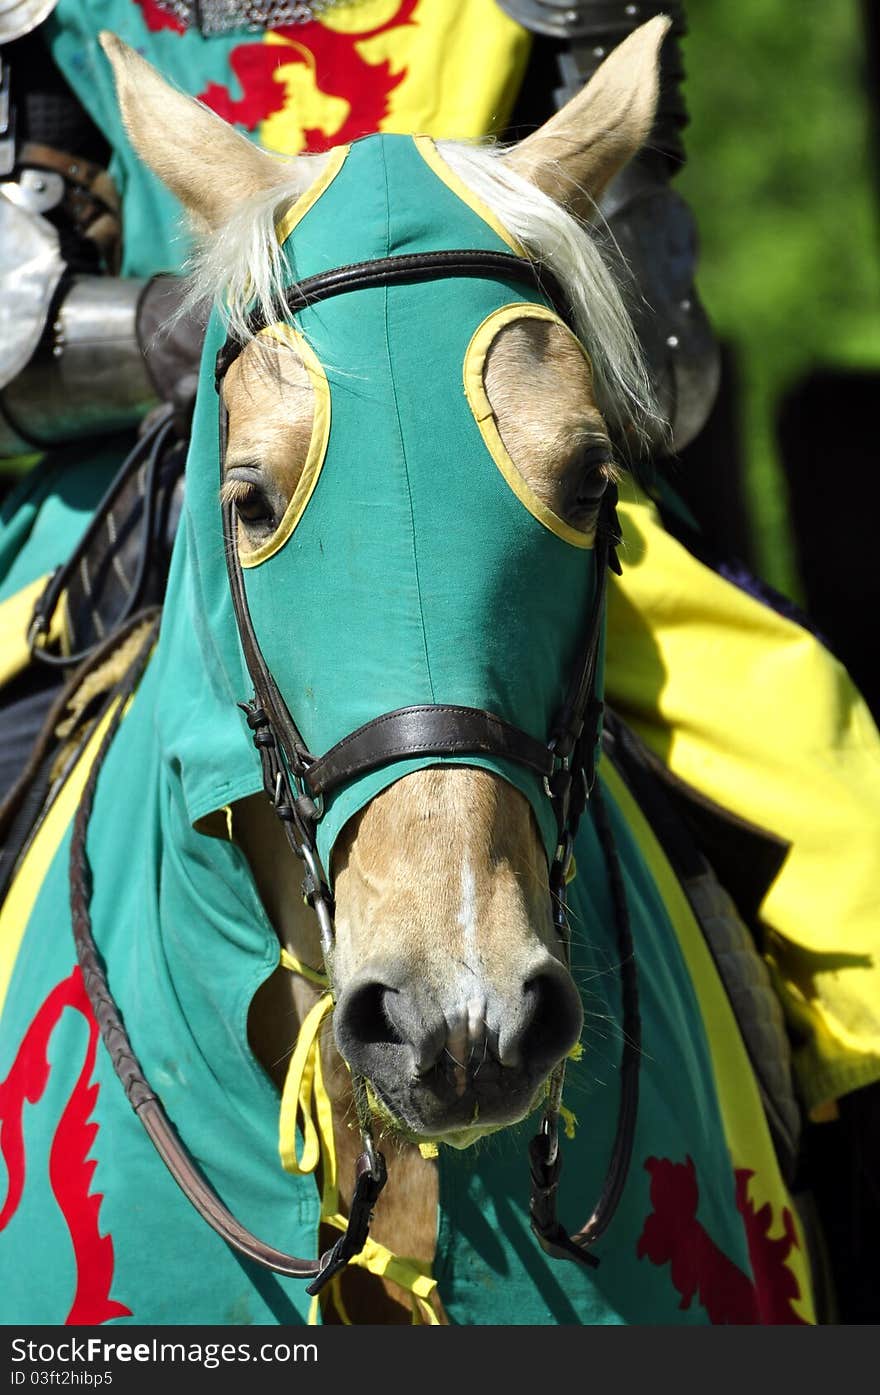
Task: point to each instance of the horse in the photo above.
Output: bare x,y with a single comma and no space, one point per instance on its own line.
423,917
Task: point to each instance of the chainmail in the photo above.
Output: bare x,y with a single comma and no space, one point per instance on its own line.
221,16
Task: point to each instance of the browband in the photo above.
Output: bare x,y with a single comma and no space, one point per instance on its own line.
396,271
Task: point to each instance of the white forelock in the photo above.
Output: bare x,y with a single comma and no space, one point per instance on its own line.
240,269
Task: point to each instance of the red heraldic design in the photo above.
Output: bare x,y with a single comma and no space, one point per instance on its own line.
70,1170
672,1235
339,71
157,18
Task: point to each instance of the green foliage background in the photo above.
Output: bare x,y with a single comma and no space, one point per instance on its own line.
781,175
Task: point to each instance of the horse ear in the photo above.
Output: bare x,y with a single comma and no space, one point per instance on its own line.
575,154
203,160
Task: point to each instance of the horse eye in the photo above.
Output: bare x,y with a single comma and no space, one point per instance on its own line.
593,469
597,457
253,508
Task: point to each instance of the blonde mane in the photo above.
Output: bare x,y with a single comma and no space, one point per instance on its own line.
240,269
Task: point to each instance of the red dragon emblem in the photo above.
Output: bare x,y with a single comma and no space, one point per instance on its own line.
337,65
70,1169
699,1269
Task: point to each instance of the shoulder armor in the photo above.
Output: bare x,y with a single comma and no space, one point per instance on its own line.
19,17
30,270
578,19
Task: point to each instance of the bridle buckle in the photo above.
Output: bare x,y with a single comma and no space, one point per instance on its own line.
558,782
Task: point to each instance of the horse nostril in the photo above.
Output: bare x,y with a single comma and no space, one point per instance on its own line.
548,1024
383,1028
366,1016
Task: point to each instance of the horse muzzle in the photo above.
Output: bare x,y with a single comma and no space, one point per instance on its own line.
468,1057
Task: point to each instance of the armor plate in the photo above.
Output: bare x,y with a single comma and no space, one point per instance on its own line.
30,270
19,17
575,19
92,380
655,248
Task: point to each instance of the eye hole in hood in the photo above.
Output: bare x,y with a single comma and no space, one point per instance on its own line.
284,481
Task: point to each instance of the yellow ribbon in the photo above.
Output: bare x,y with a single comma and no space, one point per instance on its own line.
296,966
304,1100
410,1274
569,1120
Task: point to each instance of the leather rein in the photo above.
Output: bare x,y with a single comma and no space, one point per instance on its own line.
296,782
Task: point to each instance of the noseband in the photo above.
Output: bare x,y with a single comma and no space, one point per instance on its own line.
297,781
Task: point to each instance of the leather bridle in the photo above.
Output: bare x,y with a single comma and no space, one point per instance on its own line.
297,780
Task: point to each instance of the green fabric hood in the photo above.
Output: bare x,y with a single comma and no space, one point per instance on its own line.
415,574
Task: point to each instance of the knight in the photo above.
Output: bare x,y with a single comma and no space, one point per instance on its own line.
90,341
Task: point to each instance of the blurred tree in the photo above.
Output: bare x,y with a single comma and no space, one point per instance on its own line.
781,176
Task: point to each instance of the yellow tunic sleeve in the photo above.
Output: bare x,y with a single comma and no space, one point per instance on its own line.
754,712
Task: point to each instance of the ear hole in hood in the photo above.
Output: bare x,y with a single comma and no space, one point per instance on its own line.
485,415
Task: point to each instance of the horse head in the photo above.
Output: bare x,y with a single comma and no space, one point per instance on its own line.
415,475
